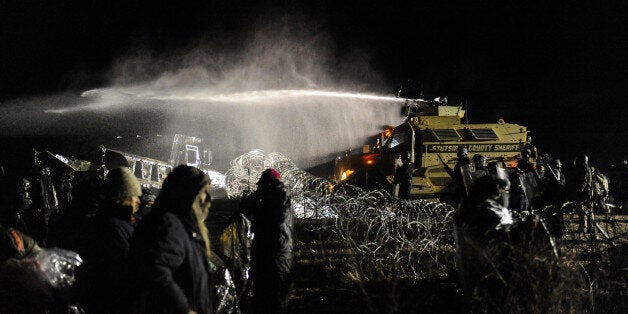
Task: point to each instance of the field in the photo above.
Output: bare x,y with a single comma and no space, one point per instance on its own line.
336,274
360,251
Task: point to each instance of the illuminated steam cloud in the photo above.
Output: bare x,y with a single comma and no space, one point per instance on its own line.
281,89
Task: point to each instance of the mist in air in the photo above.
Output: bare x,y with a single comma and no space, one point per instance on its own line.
282,88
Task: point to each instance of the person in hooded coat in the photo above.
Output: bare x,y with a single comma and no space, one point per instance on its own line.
107,240
169,255
271,250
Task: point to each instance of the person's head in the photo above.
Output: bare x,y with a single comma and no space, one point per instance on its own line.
270,176
463,151
185,192
45,171
67,177
529,139
23,185
148,198
582,159
398,161
121,188
479,161
406,156
494,168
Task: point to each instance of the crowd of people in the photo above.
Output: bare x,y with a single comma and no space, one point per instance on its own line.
143,253
140,254
499,205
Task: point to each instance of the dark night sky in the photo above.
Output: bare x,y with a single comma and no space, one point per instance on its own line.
558,68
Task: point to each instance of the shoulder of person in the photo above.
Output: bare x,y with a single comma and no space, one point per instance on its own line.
160,223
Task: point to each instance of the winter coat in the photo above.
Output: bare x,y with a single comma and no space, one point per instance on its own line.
102,277
168,259
170,266
272,224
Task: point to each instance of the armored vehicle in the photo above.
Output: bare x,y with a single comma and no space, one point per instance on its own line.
432,133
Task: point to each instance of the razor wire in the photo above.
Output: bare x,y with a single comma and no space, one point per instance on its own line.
396,238
391,237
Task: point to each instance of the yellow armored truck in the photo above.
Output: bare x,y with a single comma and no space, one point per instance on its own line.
432,133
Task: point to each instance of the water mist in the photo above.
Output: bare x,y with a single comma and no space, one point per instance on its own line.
279,93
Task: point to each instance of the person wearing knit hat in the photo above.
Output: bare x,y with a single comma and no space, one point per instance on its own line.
101,282
122,187
269,174
272,247
170,255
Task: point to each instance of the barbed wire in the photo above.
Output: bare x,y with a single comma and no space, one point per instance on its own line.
391,237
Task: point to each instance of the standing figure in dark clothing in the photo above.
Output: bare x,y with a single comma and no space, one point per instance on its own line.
519,200
18,205
555,184
65,191
555,195
526,164
45,202
108,240
582,189
463,160
403,175
530,151
169,266
271,250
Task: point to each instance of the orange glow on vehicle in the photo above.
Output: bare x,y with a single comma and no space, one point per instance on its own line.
346,174
369,159
512,164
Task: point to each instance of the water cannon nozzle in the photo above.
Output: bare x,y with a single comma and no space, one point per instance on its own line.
414,106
